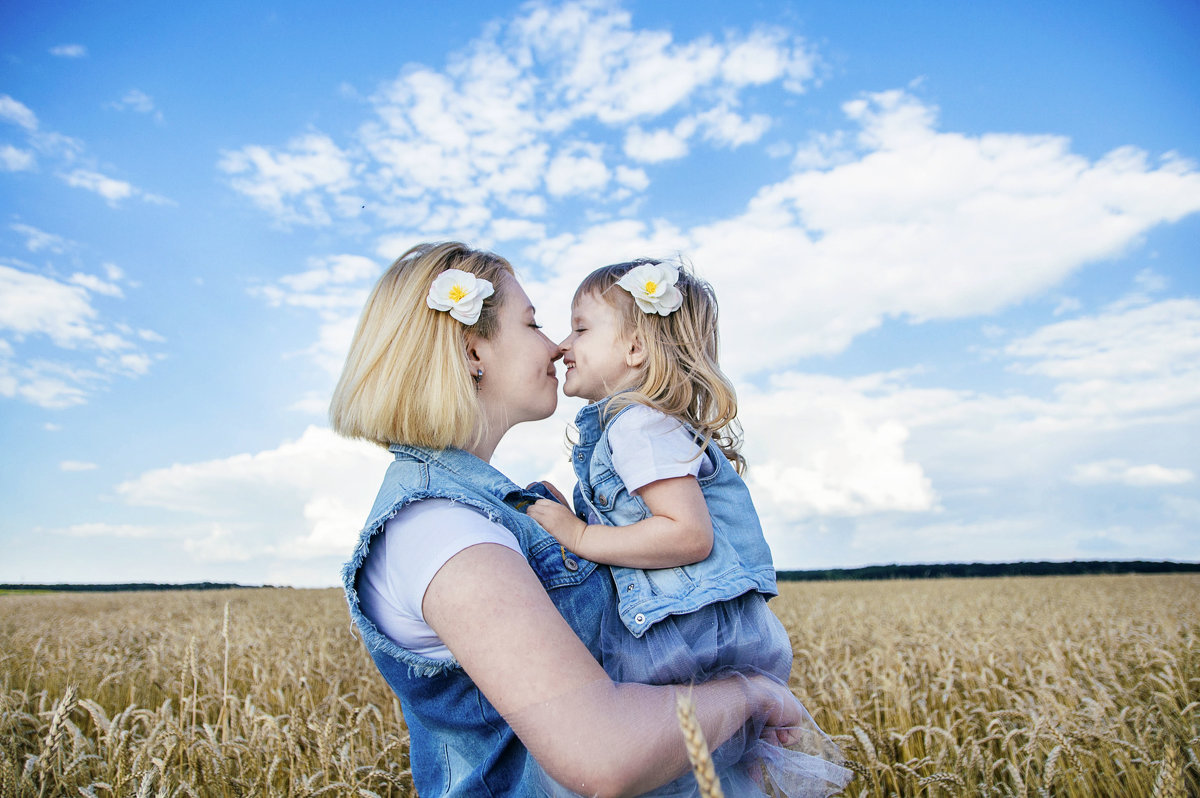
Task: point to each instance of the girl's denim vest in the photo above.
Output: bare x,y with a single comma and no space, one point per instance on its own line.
458,744
740,560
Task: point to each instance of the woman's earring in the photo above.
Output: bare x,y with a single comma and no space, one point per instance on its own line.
477,376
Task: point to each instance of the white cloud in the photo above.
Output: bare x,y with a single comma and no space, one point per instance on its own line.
818,446
1150,282
510,229
333,270
579,170
633,178
16,112
138,101
726,128
37,240
655,146
32,305
132,364
920,225
1130,363
106,530
77,465
221,544
498,128
336,288
69,51
925,225
96,285
766,56
1161,338
135,100
110,188
312,405
1118,471
43,383
15,160
307,170
306,498
1067,305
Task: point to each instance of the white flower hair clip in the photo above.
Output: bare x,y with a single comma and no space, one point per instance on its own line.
461,293
653,288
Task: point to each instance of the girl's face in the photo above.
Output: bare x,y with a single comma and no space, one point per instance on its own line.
600,357
519,381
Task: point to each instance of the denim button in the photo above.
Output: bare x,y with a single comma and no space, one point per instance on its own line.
579,457
602,499
629,587
639,618
572,565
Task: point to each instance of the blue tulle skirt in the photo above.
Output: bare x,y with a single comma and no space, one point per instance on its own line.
739,636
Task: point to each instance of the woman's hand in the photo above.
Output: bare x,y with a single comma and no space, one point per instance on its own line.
779,708
559,521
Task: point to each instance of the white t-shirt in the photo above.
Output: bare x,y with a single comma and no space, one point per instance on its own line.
405,556
648,445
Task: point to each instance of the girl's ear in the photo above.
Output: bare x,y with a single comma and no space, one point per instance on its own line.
635,355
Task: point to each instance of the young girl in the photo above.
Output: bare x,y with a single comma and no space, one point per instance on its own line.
661,501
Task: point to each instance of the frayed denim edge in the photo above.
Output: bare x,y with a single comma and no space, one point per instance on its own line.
375,640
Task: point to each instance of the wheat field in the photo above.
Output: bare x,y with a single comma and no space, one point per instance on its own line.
1049,686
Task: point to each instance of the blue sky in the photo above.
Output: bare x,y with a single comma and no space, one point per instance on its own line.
955,246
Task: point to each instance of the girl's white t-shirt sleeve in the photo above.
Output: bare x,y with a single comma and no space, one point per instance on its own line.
648,445
405,556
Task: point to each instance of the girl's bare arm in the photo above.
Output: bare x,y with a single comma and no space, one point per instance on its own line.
678,533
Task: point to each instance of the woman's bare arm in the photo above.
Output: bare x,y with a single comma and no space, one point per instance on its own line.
594,736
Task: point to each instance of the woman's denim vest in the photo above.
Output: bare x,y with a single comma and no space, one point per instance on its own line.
740,560
458,744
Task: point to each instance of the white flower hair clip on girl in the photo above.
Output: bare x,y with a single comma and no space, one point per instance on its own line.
653,288
461,293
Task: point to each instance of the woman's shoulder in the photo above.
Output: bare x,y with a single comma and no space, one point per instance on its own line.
443,514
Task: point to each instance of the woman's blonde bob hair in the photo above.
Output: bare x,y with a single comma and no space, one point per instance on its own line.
681,375
407,379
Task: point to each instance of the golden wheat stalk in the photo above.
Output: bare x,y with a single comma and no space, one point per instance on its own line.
697,748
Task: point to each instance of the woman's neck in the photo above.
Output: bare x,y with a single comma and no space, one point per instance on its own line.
487,438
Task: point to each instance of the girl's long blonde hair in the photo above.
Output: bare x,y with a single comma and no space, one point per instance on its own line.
406,378
681,375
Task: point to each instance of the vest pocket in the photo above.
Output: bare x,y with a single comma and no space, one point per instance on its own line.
672,582
553,564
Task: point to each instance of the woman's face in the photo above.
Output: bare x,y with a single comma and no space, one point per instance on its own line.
519,382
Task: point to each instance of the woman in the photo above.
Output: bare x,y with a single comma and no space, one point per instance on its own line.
477,618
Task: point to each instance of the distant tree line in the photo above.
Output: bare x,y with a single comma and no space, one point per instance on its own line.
973,569
105,588
933,571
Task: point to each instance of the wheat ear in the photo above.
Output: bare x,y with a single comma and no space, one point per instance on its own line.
697,748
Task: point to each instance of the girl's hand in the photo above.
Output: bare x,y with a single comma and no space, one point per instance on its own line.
555,492
560,522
